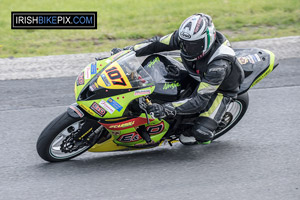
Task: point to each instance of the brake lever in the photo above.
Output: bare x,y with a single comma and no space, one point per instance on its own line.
143,106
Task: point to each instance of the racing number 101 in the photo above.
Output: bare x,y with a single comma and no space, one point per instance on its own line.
114,74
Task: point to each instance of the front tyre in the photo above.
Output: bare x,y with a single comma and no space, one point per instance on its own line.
55,143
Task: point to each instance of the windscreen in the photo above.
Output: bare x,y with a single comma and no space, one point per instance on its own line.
124,73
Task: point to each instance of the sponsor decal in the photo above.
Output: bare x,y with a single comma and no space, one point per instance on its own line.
108,61
114,104
243,60
130,137
87,109
219,69
94,68
87,74
185,35
93,87
78,111
156,129
151,63
127,124
105,80
116,133
250,59
107,107
142,92
257,57
254,58
171,85
80,79
197,28
98,109
53,20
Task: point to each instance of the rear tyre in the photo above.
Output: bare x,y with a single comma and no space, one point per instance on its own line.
55,135
233,115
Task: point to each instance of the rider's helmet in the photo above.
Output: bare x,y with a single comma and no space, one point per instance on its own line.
197,35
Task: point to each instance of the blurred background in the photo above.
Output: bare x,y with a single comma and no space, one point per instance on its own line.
126,22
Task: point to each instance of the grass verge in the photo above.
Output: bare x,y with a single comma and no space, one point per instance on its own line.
126,22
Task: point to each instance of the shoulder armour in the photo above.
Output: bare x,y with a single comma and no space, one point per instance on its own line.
223,52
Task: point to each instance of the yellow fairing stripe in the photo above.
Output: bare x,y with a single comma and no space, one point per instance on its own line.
213,107
271,66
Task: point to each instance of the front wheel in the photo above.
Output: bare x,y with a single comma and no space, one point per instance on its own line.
56,142
233,115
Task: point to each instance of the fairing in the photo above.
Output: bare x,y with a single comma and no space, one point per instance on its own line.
257,64
105,88
125,134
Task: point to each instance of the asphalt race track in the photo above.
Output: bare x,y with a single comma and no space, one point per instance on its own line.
258,159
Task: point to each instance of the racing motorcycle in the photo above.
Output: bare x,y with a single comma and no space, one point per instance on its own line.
112,95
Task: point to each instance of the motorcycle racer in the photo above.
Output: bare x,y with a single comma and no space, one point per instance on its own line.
209,58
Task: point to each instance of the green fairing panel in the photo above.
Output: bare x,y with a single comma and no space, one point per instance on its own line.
125,80
114,106
88,74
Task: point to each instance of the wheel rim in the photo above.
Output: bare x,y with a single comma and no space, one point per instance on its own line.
55,147
235,109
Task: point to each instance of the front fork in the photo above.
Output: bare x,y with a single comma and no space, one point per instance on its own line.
90,131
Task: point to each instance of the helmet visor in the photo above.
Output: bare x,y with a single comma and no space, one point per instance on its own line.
193,48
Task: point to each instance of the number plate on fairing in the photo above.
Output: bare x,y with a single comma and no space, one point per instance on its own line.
113,77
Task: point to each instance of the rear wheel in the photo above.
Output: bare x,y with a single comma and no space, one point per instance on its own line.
233,115
56,142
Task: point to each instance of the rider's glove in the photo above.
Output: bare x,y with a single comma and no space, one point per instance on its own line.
161,111
115,51
129,48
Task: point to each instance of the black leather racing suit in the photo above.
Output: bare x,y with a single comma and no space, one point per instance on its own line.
219,75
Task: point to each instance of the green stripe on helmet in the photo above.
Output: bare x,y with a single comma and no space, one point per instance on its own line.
208,38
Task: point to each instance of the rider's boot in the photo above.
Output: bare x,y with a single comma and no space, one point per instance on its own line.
187,138
201,133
